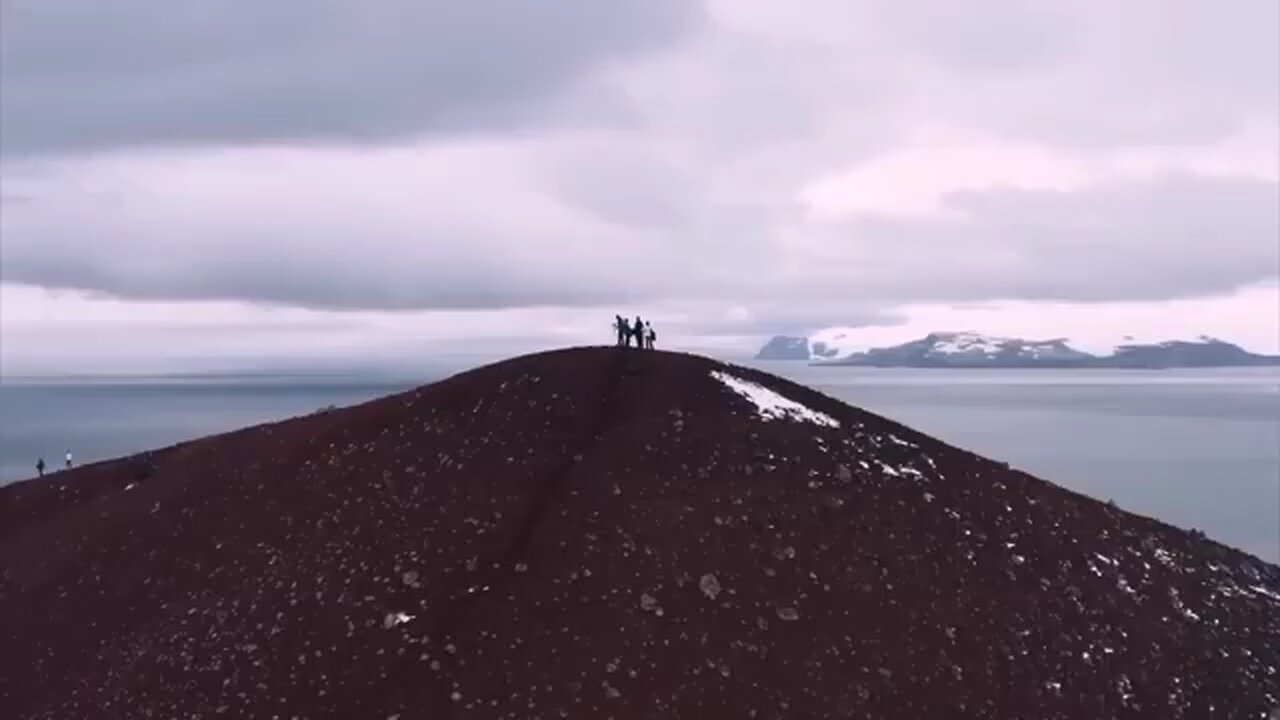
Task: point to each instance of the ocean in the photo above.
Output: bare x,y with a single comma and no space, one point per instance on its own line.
1195,448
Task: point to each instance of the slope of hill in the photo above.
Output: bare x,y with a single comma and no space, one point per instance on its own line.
840,346
600,533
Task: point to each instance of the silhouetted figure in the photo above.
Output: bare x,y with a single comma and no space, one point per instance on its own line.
651,337
637,331
40,467
624,331
68,459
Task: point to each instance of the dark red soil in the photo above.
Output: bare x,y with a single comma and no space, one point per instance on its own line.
604,533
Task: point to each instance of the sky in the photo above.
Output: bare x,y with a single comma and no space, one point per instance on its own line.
202,184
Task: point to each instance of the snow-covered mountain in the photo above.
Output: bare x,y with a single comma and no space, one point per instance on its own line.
849,346
970,348
1203,351
834,343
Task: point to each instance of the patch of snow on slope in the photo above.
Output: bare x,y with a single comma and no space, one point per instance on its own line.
393,619
1266,592
1110,345
1230,588
968,342
888,469
1048,349
772,406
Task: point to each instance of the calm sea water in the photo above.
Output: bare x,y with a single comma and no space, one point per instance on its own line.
1194,448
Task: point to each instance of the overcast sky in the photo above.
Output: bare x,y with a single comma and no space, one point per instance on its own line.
208,183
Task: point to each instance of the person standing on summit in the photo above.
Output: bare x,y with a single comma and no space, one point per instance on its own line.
650,336
637,331
624,331
68,459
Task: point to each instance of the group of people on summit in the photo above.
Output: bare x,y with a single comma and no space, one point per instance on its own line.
641,332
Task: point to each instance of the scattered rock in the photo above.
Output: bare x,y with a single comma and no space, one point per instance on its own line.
710,586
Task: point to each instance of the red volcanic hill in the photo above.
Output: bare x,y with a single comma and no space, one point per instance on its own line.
606,533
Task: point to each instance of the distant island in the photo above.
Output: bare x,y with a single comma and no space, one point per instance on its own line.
975,350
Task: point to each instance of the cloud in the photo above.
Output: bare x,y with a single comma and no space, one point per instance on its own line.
593,223
443,227
1164,238
1070,74
82,75
1005,35
822,162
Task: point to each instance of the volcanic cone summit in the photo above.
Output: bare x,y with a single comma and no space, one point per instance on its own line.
597,533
